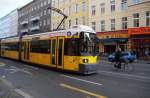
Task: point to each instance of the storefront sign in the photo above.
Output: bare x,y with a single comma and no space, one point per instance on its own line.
113,34
139,31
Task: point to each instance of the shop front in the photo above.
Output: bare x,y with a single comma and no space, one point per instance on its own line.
110,41
110,45
140,40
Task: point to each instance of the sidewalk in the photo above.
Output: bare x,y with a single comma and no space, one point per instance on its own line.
7,90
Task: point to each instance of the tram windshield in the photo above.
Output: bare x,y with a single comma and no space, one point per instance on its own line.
87,43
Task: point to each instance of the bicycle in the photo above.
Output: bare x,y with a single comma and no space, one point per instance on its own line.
125,66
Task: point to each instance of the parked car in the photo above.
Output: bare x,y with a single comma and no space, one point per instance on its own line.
126,55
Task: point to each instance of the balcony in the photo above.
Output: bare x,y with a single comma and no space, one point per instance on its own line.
35,19
35,28
24,30
24,22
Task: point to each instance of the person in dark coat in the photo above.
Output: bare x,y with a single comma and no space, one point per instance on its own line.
118,57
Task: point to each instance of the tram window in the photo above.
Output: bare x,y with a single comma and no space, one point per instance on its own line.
11,46
40,46
34,46
44,46
71,47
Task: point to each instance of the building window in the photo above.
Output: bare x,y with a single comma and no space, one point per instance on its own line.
69,23
64,11
76,8
112,24
102,8
44,2
49,1
69,10
49,11
44,22
76,21
44,12
135,1
124,5
148,18
112,2
48,21
102,23
93,10
136,20
83,20
41,14
83,6
94,25
40,23
124,23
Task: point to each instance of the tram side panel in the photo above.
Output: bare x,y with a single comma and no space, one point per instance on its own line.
40,52
10,50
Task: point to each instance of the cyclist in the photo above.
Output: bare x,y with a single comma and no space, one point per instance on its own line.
118,56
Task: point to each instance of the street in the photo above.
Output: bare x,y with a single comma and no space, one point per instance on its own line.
36,82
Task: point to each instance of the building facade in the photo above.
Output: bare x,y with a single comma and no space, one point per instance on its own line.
35,17
139,26
113,19
109,19
76,10
9,25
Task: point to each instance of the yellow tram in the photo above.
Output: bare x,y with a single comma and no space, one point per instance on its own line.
72,50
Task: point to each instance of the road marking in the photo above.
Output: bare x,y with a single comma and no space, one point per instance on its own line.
3,76
2,64
16,69
31,67
133,76
22,93
82,91
82,80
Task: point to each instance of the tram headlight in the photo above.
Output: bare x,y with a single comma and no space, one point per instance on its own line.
85,60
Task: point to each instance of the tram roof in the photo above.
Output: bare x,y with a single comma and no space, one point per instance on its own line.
12,39
77,29
74,30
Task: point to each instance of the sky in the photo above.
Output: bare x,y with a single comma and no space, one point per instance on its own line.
6,6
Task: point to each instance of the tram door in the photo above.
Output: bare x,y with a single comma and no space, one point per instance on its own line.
57,52
26,51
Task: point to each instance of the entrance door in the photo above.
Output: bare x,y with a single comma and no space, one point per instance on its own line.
26,50
53,52
60,52
57,52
